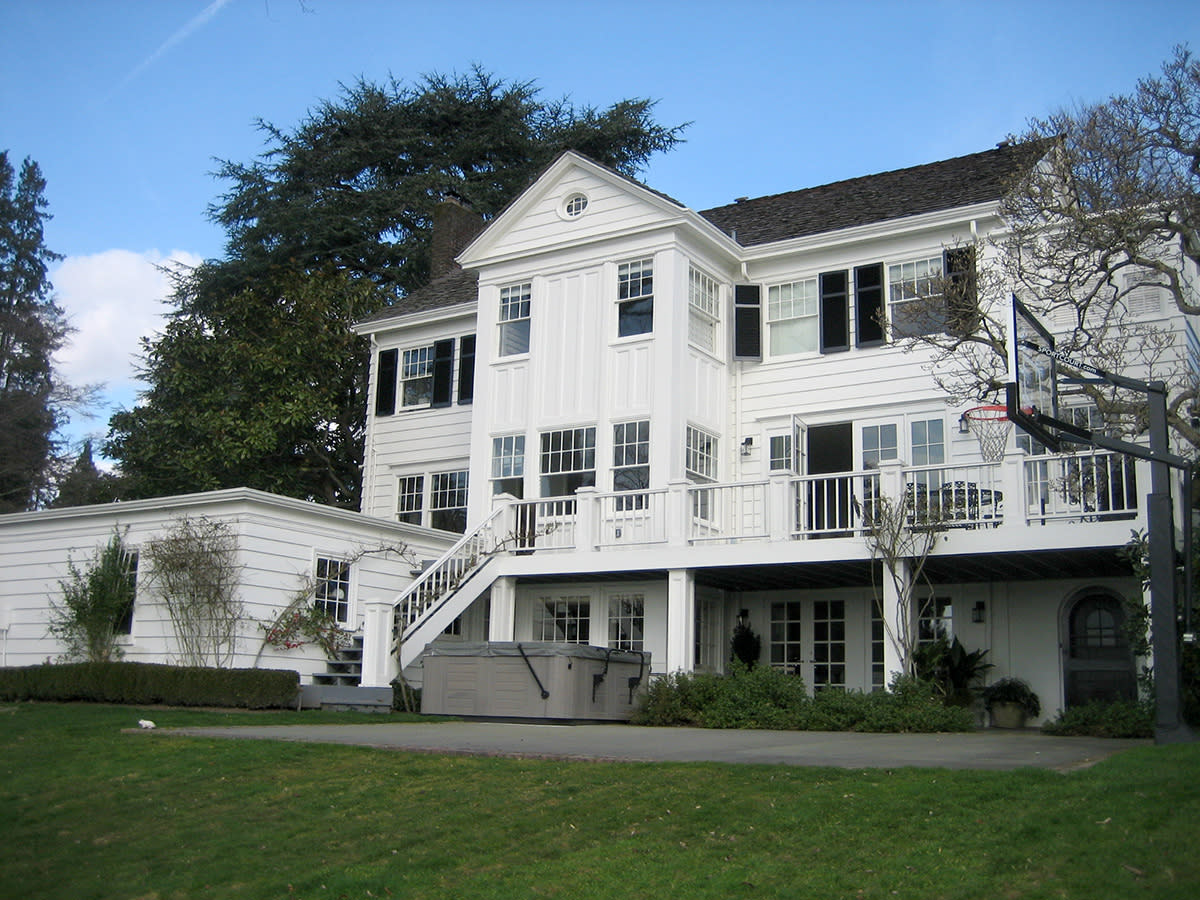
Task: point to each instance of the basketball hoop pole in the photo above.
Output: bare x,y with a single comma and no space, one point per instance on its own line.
1169,726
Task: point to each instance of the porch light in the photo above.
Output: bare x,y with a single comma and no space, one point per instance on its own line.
747,446
964,427
978,611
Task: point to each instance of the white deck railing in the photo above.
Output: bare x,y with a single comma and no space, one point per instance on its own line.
1085,487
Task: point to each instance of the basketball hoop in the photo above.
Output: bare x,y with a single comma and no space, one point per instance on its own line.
990,425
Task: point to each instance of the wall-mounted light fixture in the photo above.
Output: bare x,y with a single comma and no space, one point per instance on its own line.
978,611
964,427
747,446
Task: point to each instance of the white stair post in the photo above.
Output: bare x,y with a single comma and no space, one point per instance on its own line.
378,668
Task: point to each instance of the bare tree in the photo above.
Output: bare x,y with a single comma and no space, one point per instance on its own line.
1107,220
196,571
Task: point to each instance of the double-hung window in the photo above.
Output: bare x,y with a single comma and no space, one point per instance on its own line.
448,501
508,465
416,377
792,317
631,462
568,461
703,310
915,302
928,449
410,492
635,298
935,621
782,456
514,319
332,591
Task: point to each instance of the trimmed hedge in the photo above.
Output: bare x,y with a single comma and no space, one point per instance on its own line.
150,683
767,698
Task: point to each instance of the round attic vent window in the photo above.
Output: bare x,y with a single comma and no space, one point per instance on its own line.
574,205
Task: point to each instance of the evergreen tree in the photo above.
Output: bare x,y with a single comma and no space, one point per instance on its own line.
32,328
85,484
257,380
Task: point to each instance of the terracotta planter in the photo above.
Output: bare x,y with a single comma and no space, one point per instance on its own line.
1008,715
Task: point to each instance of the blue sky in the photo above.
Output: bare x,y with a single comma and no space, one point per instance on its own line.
127,104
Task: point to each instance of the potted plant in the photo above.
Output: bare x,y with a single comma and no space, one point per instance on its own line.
1011,701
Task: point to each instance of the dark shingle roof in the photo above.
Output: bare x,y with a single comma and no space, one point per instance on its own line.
962,181
449,290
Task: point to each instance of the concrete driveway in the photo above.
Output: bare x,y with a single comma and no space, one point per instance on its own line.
994,749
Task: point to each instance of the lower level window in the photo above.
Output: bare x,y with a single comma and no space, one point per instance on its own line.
332,593
787,651
566,619
936,620
626,621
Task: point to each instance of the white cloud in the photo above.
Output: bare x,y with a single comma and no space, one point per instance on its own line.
112,299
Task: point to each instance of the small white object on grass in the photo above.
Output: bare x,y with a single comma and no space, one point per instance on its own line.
146,723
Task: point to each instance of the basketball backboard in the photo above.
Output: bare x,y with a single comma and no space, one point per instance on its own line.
1034,379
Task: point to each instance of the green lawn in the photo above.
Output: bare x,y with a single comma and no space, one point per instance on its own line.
87,811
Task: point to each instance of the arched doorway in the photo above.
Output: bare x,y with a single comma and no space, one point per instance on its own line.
1097,660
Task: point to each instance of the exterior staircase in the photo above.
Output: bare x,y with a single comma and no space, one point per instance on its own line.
338,686
446,588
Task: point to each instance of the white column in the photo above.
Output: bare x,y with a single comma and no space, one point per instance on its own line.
378,664
681,620
781,511
1012,486
503,616
587,519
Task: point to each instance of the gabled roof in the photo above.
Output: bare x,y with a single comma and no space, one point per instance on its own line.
963,181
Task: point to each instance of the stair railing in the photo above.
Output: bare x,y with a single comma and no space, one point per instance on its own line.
430,590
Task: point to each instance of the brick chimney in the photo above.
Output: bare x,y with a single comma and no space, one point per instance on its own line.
454,226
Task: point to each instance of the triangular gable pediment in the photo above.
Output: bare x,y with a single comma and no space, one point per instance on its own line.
547,214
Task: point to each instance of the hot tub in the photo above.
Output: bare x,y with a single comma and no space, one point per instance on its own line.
532,680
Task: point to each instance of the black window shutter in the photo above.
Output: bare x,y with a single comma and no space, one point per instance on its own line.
868,298
747,321
385,382
962,304
443,373
466,369
835,311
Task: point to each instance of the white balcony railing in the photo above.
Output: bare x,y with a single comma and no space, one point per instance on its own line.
1084,487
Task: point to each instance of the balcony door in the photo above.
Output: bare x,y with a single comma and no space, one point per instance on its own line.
828,500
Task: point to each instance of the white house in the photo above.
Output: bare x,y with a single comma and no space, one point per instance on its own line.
644,423
650,421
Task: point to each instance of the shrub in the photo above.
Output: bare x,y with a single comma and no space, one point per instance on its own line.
148,683
768,698
1117,719
95,602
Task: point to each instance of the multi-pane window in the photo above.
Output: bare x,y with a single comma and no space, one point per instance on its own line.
563,619
332,590
635,298
626,621
878,445
792,318
514,319
928,449
829,643
568,461
877,632
935,621
915,304
416,377
508,465
703,310
448,501
782,457
631,461
787,651
409,493
700,455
